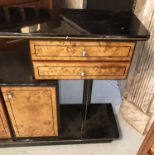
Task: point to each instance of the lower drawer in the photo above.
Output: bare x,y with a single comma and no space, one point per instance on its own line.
80,70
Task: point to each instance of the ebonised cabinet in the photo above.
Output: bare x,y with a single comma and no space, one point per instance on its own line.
85,45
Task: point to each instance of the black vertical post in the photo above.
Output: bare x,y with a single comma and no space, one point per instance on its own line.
88,84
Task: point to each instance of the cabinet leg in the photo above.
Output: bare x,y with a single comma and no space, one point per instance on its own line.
88,84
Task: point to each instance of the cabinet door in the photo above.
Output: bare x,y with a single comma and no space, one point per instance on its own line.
4,129
32,110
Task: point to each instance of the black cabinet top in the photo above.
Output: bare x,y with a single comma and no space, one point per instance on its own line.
70,24
113,5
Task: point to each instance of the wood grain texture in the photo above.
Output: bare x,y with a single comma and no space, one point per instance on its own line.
32,110
136,118
46,4
138,88
16,2
152,149
80,70
4,128
140,91
81,50
146,147
28,3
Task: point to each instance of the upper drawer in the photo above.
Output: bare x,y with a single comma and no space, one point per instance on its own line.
81,50
80,70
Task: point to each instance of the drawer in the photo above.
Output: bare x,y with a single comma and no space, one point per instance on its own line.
81,50
80,70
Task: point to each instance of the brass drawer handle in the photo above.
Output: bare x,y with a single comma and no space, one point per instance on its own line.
84,53
82,74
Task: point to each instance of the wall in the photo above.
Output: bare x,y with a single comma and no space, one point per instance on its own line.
104,91
99,4
137,106
71,3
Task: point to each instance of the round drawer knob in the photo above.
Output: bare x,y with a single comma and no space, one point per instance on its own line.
10,95
84,53
82,74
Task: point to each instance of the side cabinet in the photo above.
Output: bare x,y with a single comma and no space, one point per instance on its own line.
4,128
32,111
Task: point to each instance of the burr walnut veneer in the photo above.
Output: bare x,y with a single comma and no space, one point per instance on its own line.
32,110
81,59
80,70
81,50
4,128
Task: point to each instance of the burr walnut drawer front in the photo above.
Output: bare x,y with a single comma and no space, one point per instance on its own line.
81,50
80,70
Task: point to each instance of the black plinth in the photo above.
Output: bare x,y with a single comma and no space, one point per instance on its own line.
100,126
100,123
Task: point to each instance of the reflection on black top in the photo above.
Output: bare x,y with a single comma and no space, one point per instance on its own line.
104,24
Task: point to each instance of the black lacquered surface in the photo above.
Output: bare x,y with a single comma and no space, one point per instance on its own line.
70,24
100,122
100,127
16,66
119,5
108,24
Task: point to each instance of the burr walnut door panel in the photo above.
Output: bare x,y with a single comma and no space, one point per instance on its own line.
32,110
4,129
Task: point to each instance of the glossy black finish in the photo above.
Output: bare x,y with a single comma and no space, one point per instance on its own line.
113,5
13,17
87,92
88,84
100,127
71,24
16,67
100,122
71,122
109,24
